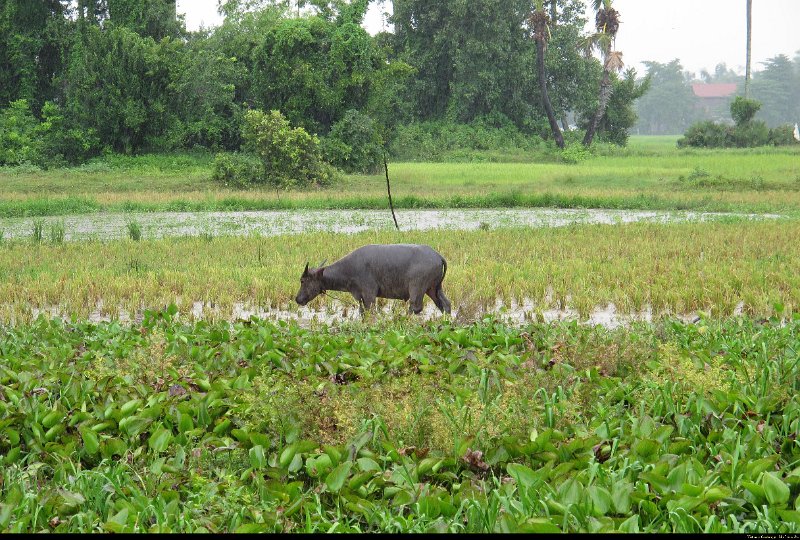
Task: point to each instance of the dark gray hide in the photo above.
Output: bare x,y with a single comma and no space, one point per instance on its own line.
397,271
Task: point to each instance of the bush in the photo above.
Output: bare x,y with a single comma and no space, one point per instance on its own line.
61,143
290,157
706,134
354,144
238,170
743,110
439,140
19,143
750,134
51,142
782,135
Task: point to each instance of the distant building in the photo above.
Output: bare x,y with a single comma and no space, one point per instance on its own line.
713,100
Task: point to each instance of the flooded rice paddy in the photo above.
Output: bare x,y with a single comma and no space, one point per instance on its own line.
515,313
109,226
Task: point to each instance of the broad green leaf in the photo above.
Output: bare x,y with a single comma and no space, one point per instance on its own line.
538,526
776,491
319,465
335,480
160,439
91,443
601,500
523,475
257,458
368,465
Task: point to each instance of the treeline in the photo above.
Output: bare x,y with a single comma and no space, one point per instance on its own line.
670,106
82,77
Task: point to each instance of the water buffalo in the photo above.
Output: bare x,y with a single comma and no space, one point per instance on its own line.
397,271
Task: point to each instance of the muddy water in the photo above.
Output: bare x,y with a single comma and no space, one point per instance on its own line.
514,314
107,226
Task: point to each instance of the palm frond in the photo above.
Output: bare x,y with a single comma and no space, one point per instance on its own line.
614,61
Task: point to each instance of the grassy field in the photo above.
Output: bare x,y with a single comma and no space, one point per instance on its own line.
678,268
399,428
649,174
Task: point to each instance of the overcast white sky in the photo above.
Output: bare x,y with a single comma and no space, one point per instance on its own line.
701,33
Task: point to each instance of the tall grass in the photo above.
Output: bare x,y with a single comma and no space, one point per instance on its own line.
38,230
638,177
677,268
134,230
57,232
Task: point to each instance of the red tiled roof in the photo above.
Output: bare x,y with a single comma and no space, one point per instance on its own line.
704,90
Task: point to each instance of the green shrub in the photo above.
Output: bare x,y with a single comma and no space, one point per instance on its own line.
705,134
49,143
238,170
354,144
62,144
440,140
782,135
743,110
575,153
750,134
291,157
19,143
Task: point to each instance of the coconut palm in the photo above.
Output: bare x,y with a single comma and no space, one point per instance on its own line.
538,23
749,48
607,25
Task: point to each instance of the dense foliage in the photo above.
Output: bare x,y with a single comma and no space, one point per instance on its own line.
747,132
257,426
671,106
125,76
289,156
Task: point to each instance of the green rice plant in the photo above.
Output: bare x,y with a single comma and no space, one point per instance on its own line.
134,230
637,267
57,232
38,230
647,175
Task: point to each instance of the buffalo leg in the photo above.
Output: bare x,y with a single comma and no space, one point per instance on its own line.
365,302
433,293
416,297
444,303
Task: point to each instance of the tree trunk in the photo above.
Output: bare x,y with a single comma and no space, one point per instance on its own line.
749,48
548,107
605,97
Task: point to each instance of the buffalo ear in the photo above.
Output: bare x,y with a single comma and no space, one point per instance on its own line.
318,272
305,272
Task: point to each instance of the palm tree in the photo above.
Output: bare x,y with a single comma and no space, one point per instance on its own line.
607,24
749,48
538,21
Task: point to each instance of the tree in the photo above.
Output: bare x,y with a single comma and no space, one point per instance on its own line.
33,37
154,18
313,70
722,74
607,24
669,107
120,84
538,22
475,58
621,115
749,48
776,87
